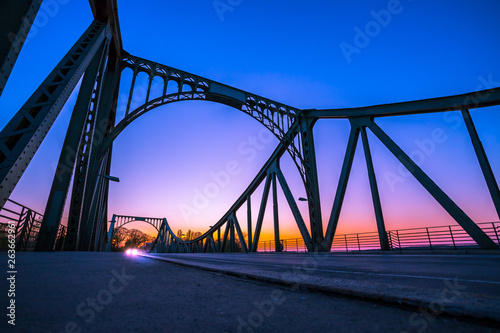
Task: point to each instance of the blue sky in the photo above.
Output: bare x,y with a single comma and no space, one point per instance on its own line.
289,51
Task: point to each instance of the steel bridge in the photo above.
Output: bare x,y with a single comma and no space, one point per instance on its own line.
86,155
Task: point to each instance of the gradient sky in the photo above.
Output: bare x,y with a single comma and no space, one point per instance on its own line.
289,51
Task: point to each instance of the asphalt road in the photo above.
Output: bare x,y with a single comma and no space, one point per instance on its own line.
480,273
111,292
457,285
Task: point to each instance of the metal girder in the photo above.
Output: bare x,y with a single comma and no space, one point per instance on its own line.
89,161
262,211
212,244
102,213
249,221
85,148
311,183
219,240
477,234
236,225
24,133
65,167
107,11
477,99
206,245
17,18
98,167
488,174
111,233
277,243
122,220
277,117
295,211
224,238
88,231
382,233
342,185
232,238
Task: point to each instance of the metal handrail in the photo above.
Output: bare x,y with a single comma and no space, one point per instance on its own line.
437,237
27,225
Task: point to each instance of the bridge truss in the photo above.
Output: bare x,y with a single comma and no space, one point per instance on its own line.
98,57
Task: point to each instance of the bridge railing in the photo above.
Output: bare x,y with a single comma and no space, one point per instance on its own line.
27,226
449,237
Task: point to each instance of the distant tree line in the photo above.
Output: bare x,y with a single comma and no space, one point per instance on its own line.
124,238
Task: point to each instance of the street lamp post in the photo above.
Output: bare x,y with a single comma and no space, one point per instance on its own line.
111,178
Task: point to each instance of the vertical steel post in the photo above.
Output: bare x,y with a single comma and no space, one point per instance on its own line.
249,222
131,92
219,244
312,186
110,234
452,239
429,236
232,239
277,243
149,88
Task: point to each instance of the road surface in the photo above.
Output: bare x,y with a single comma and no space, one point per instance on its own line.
112,292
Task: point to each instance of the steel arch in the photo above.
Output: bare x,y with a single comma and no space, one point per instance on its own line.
277,117
119,221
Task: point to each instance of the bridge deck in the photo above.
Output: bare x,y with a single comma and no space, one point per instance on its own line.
466,285
110,292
